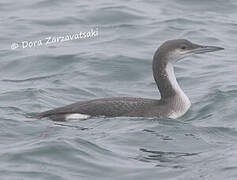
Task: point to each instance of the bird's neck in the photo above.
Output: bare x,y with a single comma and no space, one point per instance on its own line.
167,84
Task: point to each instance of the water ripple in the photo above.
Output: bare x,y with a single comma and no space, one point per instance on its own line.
200,145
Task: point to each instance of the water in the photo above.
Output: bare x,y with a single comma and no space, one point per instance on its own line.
117,62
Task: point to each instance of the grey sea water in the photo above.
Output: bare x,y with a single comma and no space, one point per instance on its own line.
199,146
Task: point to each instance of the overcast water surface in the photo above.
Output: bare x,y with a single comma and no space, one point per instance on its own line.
115,61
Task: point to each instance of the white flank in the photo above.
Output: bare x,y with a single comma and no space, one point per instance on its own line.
184,100
76,116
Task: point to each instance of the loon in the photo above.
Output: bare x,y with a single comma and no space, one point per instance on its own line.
173,103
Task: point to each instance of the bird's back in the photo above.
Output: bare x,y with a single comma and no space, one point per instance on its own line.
109,107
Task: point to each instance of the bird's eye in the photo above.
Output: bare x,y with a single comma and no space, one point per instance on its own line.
183,47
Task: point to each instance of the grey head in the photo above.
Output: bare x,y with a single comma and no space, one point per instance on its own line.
166,56
174,50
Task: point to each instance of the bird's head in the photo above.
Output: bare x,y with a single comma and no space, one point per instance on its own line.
174,50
